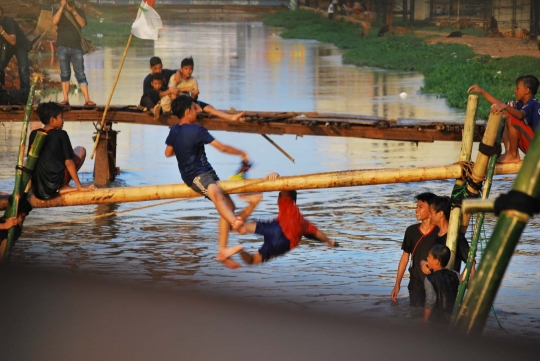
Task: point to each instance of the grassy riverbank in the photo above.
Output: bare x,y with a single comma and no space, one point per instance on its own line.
448,69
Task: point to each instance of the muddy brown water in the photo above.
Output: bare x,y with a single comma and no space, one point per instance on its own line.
247,66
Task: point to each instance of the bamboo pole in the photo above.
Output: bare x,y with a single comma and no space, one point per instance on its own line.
349,178
481,164
478,205
478,225
511,223
5,246
111,94
278,147
464,156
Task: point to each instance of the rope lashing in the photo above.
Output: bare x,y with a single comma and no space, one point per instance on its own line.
518,201
490,150
28,171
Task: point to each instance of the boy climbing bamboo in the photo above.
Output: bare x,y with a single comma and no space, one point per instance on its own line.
186,140
522,116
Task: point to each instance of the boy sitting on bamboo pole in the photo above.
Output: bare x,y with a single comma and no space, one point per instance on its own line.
58,162
283,233
186,140
522,116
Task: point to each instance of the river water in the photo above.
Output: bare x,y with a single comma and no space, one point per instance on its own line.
244,65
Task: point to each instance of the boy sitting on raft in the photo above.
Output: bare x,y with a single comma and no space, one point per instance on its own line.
283,233
188,86
186,140
522,116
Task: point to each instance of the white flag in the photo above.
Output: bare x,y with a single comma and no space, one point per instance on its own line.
147,23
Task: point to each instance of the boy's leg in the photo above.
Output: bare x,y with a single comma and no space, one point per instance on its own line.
254,200
218,113
251,259
517,135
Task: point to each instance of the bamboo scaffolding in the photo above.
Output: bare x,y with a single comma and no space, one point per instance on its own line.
511,223
464,156
477,226
349,178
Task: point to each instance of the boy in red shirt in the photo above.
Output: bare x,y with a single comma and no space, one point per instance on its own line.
283,233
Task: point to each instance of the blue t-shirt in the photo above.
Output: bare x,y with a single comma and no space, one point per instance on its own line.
532,112
188,142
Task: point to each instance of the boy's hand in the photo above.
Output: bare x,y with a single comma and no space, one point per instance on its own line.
424,267
245,158
89,188
11,222
272,176
498,108
475,89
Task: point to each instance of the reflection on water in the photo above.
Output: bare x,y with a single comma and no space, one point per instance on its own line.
247,66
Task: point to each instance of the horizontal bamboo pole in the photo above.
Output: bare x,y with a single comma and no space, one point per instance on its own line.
471,206
349,178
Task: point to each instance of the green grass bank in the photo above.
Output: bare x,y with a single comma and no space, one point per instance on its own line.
448,69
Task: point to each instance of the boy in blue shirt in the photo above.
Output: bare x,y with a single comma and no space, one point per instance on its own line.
522,116
186,140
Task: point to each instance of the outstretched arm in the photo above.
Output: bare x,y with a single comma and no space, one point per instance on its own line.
490,98
72,170
230,150
400,272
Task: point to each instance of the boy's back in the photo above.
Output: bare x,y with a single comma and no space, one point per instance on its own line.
188,141
441,291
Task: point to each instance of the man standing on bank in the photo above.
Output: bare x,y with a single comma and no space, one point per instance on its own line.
70,19
14,42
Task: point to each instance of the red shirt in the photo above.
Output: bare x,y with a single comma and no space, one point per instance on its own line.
292,223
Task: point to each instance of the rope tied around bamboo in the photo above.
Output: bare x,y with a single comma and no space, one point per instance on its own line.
517,201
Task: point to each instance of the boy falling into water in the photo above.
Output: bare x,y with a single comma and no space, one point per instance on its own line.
188,86
522,116
186,140
283,233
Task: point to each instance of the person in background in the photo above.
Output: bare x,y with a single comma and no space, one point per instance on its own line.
70,19
14,43
150,100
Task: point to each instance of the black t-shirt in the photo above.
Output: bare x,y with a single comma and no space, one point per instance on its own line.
49,170
147,84
12,28
68,35
462,250
412,237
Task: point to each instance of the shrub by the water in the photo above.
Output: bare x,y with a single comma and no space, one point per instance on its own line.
448,69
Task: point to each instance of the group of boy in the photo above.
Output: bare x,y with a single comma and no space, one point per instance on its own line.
162,86
430,285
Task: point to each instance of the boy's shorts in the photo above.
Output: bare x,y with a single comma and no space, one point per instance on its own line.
202,182
526,134
275,243
202,104
67,176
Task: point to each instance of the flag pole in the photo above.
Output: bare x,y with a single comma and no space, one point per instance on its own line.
111,95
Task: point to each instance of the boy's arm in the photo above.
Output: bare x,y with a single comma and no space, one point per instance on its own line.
169,151
72,170
490,98
431,299
10,222
501,107
402,265
230,150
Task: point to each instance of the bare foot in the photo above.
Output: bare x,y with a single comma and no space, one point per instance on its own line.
225,253
229,263
246,257
508,158
237,117
252,198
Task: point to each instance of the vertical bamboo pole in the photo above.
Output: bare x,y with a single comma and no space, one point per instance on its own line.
111,94
477,228
476,307
5,249
464,156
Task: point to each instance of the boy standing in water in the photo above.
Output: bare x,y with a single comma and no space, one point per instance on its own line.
283,233
187,85
522,116
441,286
418,240
186,140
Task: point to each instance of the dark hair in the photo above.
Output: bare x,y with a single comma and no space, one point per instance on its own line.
292,194
442,204
157,76
441,253
427,197
180,105
155,61
187,61
48,110
529,81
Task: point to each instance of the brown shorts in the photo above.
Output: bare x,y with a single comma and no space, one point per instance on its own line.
67,176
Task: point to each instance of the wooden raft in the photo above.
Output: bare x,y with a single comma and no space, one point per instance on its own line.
278,123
